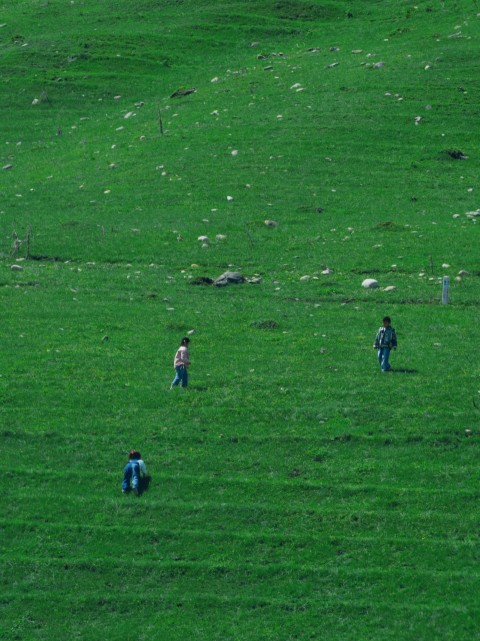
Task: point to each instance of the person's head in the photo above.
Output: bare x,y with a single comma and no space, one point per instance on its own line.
185,341
387,321
134,455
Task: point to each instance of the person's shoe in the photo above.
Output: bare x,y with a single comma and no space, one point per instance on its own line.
124,491
136,491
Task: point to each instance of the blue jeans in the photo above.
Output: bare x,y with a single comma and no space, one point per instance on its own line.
131,473
181,376
383,356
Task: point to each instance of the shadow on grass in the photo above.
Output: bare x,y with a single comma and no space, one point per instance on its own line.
144,484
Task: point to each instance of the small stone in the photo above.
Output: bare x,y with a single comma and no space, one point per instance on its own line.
456,216
229,198
234,152
16,268
190,332
305,278
271,223
220,236
463,272
128,115
370,283
203,239
7,167
378,65
445,265
327,271
389,288
105,338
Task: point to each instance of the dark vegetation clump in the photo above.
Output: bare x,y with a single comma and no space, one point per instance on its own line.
266,324
454,154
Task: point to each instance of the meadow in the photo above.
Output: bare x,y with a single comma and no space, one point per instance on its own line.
297,492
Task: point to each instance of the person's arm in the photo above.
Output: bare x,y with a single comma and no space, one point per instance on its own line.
143,468
394,339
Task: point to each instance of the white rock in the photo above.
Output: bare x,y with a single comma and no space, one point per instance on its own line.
370,283
220,236
296,85
271,223
229,198
463,272
235,152
445,265
378,65
304,278
214,79
190,332
327,271
203,239
389,288
16,268
456,216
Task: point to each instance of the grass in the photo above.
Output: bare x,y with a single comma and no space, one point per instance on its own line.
296,492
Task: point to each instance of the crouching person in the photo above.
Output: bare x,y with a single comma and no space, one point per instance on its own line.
134,474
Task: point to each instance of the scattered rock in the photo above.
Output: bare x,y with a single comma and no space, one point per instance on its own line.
334,64
327,271
190,332
220,236
463,272
105,338
378,65
305,278
229,198
7,167
370,283
203,239
271,223
128,115
445,265
473,214
139,104
229,278
456,216
357,50
16,268
180,93
269,68
389,288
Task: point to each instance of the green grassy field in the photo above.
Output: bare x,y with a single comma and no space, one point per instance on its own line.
297,493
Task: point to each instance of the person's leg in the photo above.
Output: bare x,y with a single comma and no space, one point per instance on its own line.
385,357
127,475
185,377
380,356
135,477
178,377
